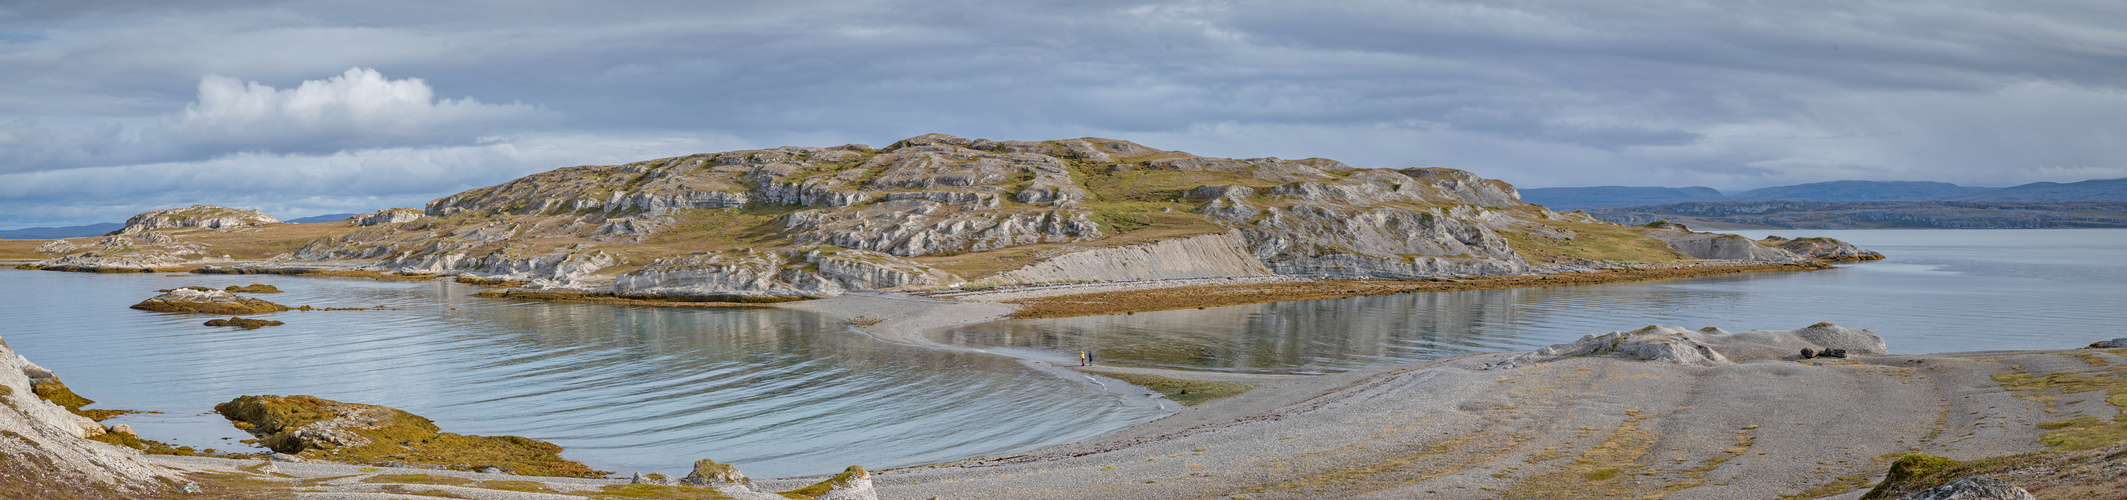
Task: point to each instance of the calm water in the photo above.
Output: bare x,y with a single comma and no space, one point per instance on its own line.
1939,291
622,388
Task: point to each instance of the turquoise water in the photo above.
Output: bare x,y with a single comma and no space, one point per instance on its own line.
1938,291
627,389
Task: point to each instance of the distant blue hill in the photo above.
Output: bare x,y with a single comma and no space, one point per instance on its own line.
1577,198
321,218
1858,191
48,233
2053,192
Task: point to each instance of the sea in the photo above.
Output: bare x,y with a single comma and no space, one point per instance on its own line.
785,393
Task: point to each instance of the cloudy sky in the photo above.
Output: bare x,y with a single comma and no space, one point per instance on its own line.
300,108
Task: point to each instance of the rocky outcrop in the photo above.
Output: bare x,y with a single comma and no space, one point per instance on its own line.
1211,255
2109,344
207,301
1710,346
55,246
312,427
46,452
1821,248
738,276
389,216
1980,487
206,216
1712,246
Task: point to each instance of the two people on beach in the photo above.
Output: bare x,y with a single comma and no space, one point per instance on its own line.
1085,358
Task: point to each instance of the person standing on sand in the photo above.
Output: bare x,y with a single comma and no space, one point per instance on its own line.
1085,358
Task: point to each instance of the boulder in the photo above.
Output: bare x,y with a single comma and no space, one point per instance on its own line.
1653,343
2110,344
726,479
1979,487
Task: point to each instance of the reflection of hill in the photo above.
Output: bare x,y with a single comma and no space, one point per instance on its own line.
1303,336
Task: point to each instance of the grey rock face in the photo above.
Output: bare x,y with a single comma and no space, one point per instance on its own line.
1980,487
389,216
1722,247
1211,255
2110,344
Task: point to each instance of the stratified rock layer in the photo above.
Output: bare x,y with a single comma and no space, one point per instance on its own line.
313,427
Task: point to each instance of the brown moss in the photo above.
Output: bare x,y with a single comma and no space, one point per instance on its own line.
55,391
394,437
847,476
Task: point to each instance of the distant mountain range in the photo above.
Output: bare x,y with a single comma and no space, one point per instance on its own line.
103,228
1579,198
1875,214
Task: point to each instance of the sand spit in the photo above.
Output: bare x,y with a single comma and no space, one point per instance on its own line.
1583,427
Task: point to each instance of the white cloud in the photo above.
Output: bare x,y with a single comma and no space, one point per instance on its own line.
358,108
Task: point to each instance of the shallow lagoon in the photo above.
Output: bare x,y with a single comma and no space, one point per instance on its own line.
1940,291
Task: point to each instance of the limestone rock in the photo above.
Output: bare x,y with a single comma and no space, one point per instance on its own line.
652,478
46,441
2109,344
389,216
1711,346
207,216
1979,487
1653,343
725,479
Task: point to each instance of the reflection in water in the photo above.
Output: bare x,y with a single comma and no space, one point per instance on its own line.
1940,291
778,392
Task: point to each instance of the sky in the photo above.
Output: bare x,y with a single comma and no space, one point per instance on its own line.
301,108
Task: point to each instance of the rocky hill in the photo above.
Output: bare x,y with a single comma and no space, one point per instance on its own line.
1878,214
940,211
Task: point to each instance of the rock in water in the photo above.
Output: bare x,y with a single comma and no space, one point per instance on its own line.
313,427
1974,488
2110,344
244,323
208,301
